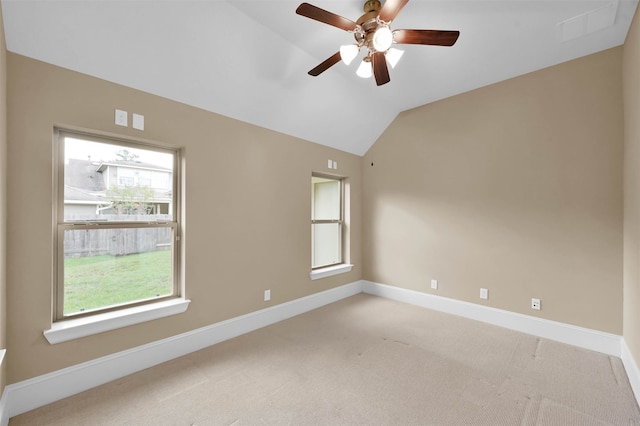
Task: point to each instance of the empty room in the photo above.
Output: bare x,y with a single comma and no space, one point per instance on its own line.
336,212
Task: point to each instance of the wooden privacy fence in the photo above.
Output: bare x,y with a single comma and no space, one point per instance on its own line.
117,241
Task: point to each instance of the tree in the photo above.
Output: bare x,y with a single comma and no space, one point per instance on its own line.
135,199
125,155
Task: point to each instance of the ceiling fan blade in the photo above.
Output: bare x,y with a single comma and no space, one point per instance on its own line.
314,12
380,69
328,63
390,9
429,37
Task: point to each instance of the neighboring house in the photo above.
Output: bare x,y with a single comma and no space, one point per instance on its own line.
94,188
81,202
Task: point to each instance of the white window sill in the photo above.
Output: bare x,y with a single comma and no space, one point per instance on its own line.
330,271
86,326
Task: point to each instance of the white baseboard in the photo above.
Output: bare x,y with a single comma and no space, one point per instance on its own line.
4,412
577,336
607,343
30,394
633,373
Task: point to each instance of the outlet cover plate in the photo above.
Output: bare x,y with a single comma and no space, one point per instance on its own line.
138,121
434,284
121,118
535,304
484,293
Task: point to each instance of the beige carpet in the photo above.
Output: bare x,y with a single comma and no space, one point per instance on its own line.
365,360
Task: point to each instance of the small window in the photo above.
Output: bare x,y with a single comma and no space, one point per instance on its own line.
116,237
125,181
327,221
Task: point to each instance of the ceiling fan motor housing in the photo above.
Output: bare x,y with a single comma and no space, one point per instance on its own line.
369,23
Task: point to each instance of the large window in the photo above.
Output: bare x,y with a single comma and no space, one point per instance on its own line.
327,220
117,224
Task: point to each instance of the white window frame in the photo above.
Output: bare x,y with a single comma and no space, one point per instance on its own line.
86,323
323,271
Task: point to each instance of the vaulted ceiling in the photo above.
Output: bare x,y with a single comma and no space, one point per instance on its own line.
248,59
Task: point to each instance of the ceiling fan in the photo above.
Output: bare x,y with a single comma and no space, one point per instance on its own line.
372,31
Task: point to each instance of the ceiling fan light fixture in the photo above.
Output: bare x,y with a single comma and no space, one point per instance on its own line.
393,56
382,39
349,52
373,33
365,70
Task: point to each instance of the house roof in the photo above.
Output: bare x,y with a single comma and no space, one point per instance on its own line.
83,174
249,59
82,196
131,164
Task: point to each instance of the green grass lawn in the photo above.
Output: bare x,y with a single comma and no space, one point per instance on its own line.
100,281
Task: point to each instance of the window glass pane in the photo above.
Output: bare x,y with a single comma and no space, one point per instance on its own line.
326,199
120,248
111,182
326,244
107,267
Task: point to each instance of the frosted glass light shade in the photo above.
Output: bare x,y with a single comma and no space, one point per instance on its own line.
348,53
364,70
382,39
393,56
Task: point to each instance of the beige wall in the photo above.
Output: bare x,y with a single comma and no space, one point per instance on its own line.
631,79
515,187
247,221
3,195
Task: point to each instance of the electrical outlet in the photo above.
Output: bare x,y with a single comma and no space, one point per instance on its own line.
267,295
434,284
484,293
535,304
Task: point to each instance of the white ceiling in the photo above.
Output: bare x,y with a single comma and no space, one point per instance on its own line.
248,59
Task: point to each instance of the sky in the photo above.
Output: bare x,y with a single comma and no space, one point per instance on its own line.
82,149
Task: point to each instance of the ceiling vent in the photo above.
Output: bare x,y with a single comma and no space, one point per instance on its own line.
589,22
